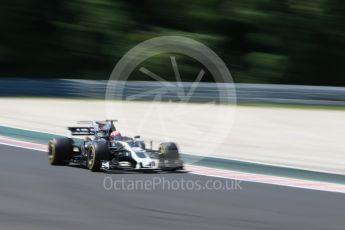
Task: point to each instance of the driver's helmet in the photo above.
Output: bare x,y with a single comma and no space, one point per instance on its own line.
115,135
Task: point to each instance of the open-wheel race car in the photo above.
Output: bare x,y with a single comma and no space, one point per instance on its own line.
104,148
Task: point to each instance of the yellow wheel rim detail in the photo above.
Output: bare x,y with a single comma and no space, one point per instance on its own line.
91,162
52,152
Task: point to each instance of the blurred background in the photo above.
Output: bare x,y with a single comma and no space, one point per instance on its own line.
266,41
283,56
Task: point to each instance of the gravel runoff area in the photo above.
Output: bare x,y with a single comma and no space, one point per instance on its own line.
294,137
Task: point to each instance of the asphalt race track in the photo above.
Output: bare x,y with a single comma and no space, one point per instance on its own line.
35,195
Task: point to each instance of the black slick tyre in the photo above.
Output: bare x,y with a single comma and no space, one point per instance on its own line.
97,152
60,151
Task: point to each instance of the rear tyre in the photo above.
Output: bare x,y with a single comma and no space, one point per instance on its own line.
60,151
97,153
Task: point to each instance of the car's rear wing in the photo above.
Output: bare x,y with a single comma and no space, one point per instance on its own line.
96,122
81,131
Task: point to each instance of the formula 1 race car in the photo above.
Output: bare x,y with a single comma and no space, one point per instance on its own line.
104,148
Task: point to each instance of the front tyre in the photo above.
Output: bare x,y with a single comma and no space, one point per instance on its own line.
168,150
97,152
169,157
60,151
